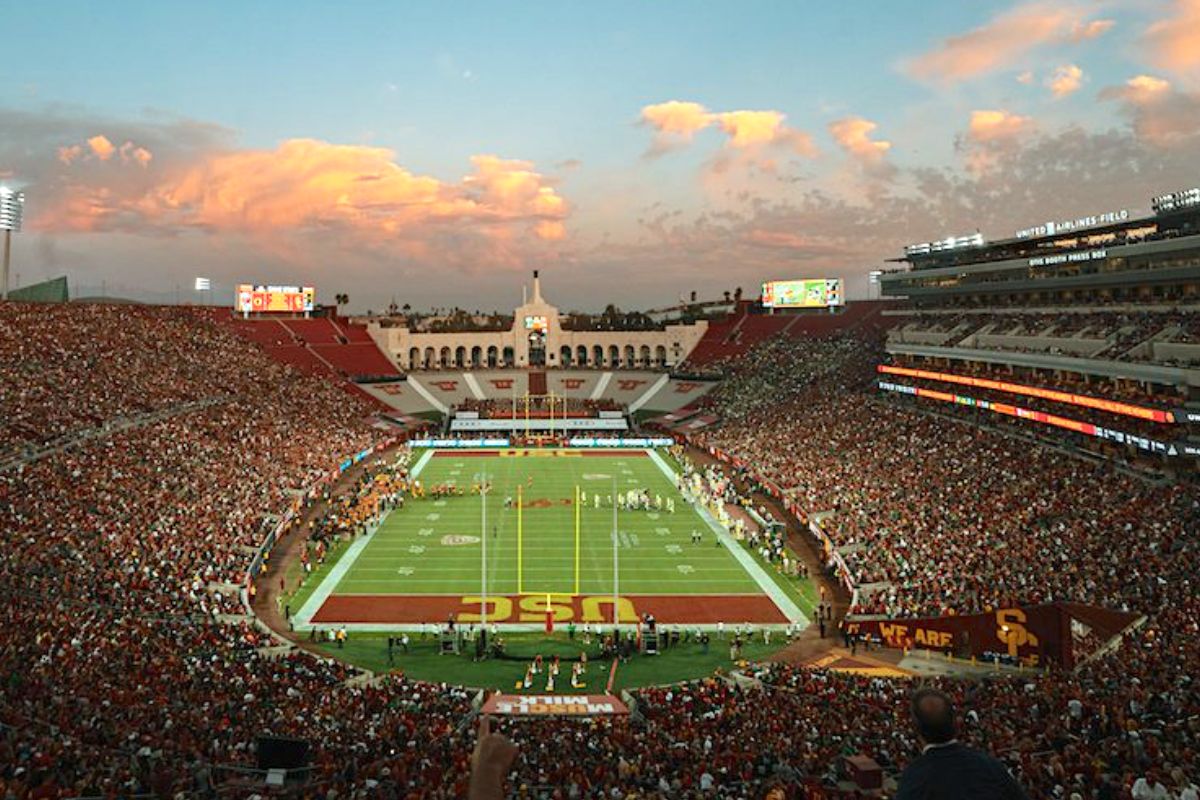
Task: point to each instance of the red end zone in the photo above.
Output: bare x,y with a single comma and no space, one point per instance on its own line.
681,609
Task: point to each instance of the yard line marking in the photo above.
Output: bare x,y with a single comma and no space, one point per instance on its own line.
764,581
356,548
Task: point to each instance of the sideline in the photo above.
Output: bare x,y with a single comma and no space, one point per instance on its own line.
769,587
303,618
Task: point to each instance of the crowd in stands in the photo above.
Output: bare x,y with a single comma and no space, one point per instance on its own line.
126,669
947,518
68,368
924,506
777,371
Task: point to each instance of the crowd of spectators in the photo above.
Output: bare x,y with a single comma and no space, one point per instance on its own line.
927,508
126,668
66,368
779,370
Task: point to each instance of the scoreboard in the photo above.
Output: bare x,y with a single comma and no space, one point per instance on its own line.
809,293
252,299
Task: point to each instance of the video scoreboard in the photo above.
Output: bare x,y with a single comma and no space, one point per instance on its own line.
808,293
252,299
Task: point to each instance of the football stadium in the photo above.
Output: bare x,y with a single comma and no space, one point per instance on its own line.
791,461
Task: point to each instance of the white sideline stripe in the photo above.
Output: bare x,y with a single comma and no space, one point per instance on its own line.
429,398
769,587
646,395
517,627
318,597
473,385
601,385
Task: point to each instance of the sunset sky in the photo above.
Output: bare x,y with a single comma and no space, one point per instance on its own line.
436,152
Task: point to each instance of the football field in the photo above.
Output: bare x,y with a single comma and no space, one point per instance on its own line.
548,523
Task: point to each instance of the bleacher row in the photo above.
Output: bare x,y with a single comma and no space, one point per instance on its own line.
1106,334
739,333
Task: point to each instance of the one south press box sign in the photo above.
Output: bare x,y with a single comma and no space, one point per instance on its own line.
572,705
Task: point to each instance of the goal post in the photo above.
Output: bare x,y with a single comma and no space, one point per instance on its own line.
577,539
577,545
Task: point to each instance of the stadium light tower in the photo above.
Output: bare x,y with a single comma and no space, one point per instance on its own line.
12,204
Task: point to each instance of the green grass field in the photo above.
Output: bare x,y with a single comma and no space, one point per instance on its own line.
409,554
433,548
423,662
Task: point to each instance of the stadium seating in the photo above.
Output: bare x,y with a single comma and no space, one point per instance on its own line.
129,670
1105,334
329,345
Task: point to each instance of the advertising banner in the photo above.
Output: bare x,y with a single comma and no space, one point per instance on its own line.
576,705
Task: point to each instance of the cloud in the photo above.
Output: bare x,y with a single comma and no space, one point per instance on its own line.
138,155
846,234
1001,42
853,134
1065,80
307,186
101,147
676,122
677,117
993,125
751,128
1025,77
991,133
1085,31
1174,43
67,154
1159,114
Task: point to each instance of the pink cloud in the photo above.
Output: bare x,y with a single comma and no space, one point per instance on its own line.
676,122
853,134
677,117
1160,114
68,154
306,185
1090,30
1065,80
1174,43
991,133
138,155
1001,42
992,125
101,147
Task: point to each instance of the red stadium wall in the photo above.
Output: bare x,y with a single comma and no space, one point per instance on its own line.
1035,635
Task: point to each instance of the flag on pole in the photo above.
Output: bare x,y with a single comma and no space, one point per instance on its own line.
549,615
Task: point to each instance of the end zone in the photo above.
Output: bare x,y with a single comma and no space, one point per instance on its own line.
515,612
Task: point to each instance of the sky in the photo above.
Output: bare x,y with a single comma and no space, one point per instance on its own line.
434,153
